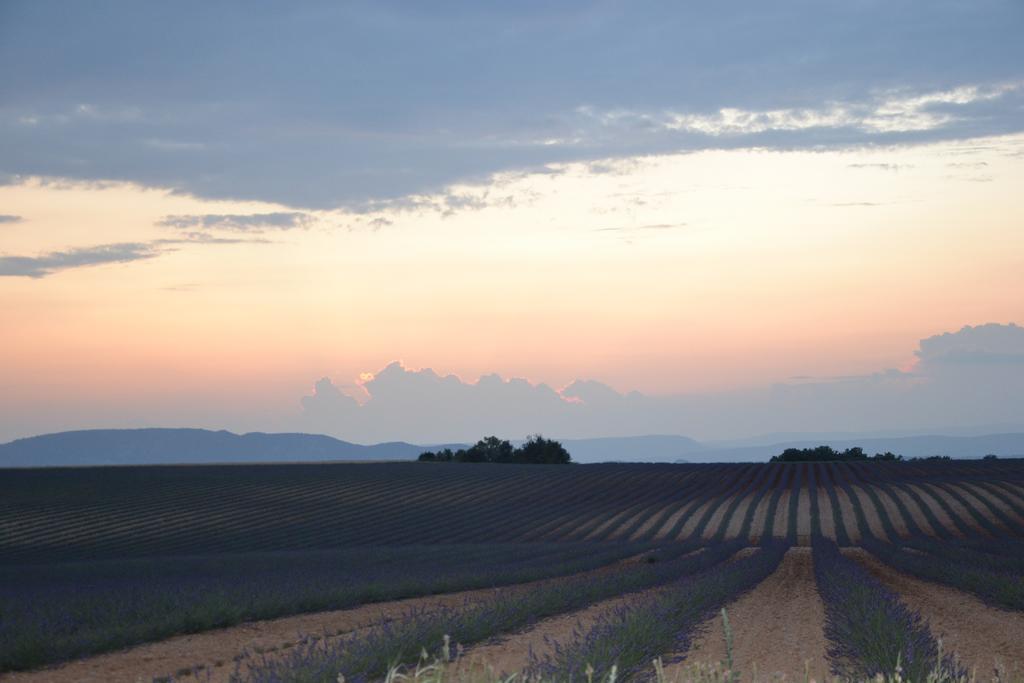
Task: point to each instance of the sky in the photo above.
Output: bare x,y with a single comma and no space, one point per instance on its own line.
393,221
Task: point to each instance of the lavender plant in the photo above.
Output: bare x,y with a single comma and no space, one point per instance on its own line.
630,636
369,655
50,613
995,584
871,633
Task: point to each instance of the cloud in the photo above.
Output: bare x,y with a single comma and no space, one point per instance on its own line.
971,377
124,252
55,261
203,238
239,222
8,218
194,100
882,166
991,344
327,402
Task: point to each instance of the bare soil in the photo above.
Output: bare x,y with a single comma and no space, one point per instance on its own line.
985,499
511,653
848,516
607,524
959,510
670,523
803,517
828,522
717,518
895,516
980,635
937,510
988,495
870,513
736,523
648,525
760,513
216,651
692,520
781,521
776,627
915,511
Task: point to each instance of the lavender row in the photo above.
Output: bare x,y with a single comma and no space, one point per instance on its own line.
981,555
629,637
870,631
50,613
369,655
995,586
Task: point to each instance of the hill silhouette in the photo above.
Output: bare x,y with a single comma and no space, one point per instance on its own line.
188,446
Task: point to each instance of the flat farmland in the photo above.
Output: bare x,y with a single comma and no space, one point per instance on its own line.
104,570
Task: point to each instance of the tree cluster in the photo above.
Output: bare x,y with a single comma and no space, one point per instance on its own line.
829,454
536,451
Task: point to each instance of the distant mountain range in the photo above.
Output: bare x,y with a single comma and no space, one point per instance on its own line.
195,446
188,446
652,448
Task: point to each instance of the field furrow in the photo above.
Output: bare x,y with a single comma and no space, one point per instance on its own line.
993,637
786,605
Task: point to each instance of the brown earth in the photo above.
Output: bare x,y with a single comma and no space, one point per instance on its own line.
776,627
781,521
217,651
980,505
870,513
648,525
985,499
848,516
915,511
736,523
895,516
988,495
803,517
940,514
980,635
692,520
627,524
760,514
612,523
670,523
511,653
717,518
1014,492
959,510
828,522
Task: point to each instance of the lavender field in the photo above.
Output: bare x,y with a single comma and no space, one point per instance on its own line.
645,554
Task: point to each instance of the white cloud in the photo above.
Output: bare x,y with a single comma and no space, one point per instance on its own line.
963,379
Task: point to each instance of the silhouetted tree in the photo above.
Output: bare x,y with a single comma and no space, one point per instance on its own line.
443,455
536,451
541,451
489,449
827,453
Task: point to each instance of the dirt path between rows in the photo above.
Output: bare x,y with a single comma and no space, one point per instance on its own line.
511,653
218,650
980,635
776,627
